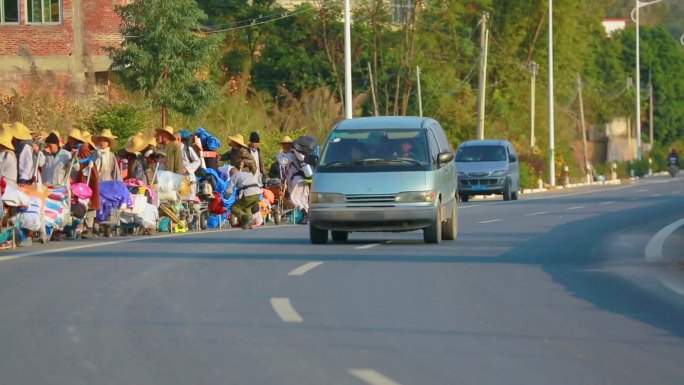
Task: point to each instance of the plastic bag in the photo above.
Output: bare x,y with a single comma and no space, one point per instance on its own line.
169,181
185,189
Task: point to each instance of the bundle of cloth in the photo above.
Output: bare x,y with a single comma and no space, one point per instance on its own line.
114,195
144,210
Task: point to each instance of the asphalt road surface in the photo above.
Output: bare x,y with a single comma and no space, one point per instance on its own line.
571,287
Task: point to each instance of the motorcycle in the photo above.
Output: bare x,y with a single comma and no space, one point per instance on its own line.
673,166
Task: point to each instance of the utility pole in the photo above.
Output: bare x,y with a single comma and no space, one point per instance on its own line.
348,108
533,67
375,100
484,45
650,109
420,97
584,127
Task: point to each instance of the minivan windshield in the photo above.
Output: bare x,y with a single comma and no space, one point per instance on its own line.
484,153
375,150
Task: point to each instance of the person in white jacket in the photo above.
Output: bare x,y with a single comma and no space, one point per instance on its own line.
191,163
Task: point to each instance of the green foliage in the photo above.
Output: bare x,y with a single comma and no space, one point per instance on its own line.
163,56
528,176
122,119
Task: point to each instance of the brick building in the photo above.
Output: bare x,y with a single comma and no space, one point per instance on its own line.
66,37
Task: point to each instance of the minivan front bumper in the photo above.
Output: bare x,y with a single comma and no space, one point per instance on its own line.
377,218
482,185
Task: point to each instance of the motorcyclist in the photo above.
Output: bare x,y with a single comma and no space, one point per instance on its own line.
673,157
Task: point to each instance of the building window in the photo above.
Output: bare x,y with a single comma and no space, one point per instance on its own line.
401,10
43,11
9,11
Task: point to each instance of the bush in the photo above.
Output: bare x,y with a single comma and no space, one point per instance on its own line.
123,119
528,176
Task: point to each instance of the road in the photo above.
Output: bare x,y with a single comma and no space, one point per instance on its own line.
551,289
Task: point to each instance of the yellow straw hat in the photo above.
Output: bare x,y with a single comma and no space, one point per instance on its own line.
237,138
107,135
18,130
286,139
88,138
76,134
6,139
168,130
135,144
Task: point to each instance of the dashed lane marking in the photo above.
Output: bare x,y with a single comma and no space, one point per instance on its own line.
535,214
285,311
575,208
368,246
491,221
372,377
305,268
607,203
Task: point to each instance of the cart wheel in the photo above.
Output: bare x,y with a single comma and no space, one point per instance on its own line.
203,219
277,216
108,231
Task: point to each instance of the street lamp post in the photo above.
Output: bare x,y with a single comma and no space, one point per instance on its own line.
347,61
552,162
639,4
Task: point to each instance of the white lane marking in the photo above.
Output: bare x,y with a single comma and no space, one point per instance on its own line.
575,208
535,214
607,203
285,311
654,247
642,190
656,195
305,268
372,377
368,246
491,221
122,241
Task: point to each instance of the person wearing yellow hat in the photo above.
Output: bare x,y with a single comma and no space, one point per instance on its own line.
26,152
239,155
172,150
275,171
106,162
8,160
133,149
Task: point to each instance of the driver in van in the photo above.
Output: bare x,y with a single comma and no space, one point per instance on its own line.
406,150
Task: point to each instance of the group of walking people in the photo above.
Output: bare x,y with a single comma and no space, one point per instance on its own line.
48,158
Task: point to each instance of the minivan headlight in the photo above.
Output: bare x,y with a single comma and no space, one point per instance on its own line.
327,198
416,196
461,173
499,173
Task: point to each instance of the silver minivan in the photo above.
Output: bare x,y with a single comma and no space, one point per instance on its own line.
487,167
384,174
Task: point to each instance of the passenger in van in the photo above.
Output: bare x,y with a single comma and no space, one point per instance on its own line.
357,151
406,150
384,148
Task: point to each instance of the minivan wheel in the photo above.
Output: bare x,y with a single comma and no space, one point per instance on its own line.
514,196
464,197
339,236
450,226
507,191
433,233
316,235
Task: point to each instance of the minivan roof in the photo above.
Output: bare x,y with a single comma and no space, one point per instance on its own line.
384,122
485,142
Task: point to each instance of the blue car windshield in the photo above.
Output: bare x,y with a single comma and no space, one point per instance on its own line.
375,148
481,154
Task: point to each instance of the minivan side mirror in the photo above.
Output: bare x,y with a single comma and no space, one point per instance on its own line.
512,158
444,157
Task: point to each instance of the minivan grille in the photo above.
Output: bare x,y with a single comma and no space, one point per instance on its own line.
379,198
478,174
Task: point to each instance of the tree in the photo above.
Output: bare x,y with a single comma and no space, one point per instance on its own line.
165,54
